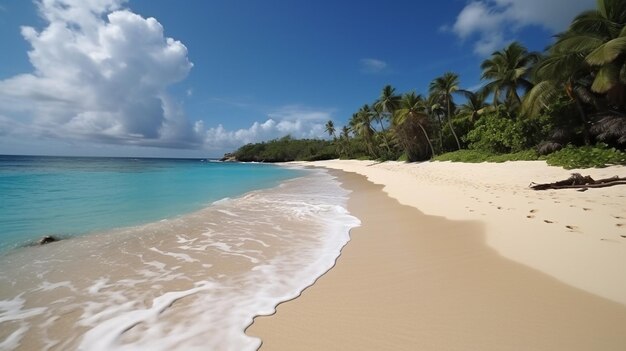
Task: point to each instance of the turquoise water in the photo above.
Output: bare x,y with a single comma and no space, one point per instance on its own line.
68,196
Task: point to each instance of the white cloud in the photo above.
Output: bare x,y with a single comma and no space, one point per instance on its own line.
100,74
297,121
493,22
371,65
100,77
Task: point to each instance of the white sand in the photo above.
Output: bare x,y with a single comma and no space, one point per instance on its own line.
577,237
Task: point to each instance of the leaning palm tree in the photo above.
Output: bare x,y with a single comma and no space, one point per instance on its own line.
330,128
412,111
507,71
443,87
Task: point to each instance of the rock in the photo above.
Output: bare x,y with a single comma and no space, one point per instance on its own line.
228,157
46,240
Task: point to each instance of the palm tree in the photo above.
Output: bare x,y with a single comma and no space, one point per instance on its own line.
475,104
561,75
600,37
589,56
411,112
388,101
330,128
508,71
345,132
436,111
443,87
361,125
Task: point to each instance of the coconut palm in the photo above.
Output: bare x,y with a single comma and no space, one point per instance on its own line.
388,101
330,128
589,56
361,125
508,71
561,75
600,37
475,104
437,113
442,88
345,132
411,111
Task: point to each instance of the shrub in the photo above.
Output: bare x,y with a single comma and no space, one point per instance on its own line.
499,134
477,156
586,157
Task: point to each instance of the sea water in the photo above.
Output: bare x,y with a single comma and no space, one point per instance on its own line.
69,196
189,273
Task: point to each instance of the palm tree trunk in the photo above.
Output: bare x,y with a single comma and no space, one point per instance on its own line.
450,124
583,117
440,132
432,151
382,127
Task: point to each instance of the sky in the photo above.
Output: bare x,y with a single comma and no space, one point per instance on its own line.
195,78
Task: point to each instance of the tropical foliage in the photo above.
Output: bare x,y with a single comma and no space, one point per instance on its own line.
571,97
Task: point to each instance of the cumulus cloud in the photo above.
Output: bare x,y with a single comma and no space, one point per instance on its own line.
100,73
371,65
297,121
491,23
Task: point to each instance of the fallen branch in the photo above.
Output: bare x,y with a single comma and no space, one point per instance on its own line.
577,181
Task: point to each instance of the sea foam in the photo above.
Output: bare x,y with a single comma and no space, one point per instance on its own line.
194,282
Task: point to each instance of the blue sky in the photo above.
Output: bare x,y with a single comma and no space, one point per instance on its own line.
198,78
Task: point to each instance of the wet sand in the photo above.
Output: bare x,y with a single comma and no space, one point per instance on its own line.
410,281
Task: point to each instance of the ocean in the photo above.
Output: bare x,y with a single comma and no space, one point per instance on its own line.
158,254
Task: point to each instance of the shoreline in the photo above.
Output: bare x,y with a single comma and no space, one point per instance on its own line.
194,281
576,237
409,280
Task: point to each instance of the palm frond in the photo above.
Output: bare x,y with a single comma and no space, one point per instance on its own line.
606,78
611,127
540,97
607,52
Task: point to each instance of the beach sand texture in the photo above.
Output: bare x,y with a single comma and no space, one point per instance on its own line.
410,280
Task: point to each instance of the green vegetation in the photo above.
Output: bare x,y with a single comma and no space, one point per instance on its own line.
552,105
586,156
477,156
286,149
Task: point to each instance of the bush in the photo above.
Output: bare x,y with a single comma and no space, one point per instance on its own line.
497,134
287,149
477,156
586,157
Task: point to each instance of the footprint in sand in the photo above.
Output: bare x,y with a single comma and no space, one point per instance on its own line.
617,217
547,221
620,224
499,207
532,211
571,227
530,216
586,209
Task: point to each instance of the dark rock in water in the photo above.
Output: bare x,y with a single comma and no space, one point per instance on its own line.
47,240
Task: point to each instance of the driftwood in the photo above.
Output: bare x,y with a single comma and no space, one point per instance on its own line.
577,181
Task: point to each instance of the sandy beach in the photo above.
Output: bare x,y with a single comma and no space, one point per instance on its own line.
465,257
